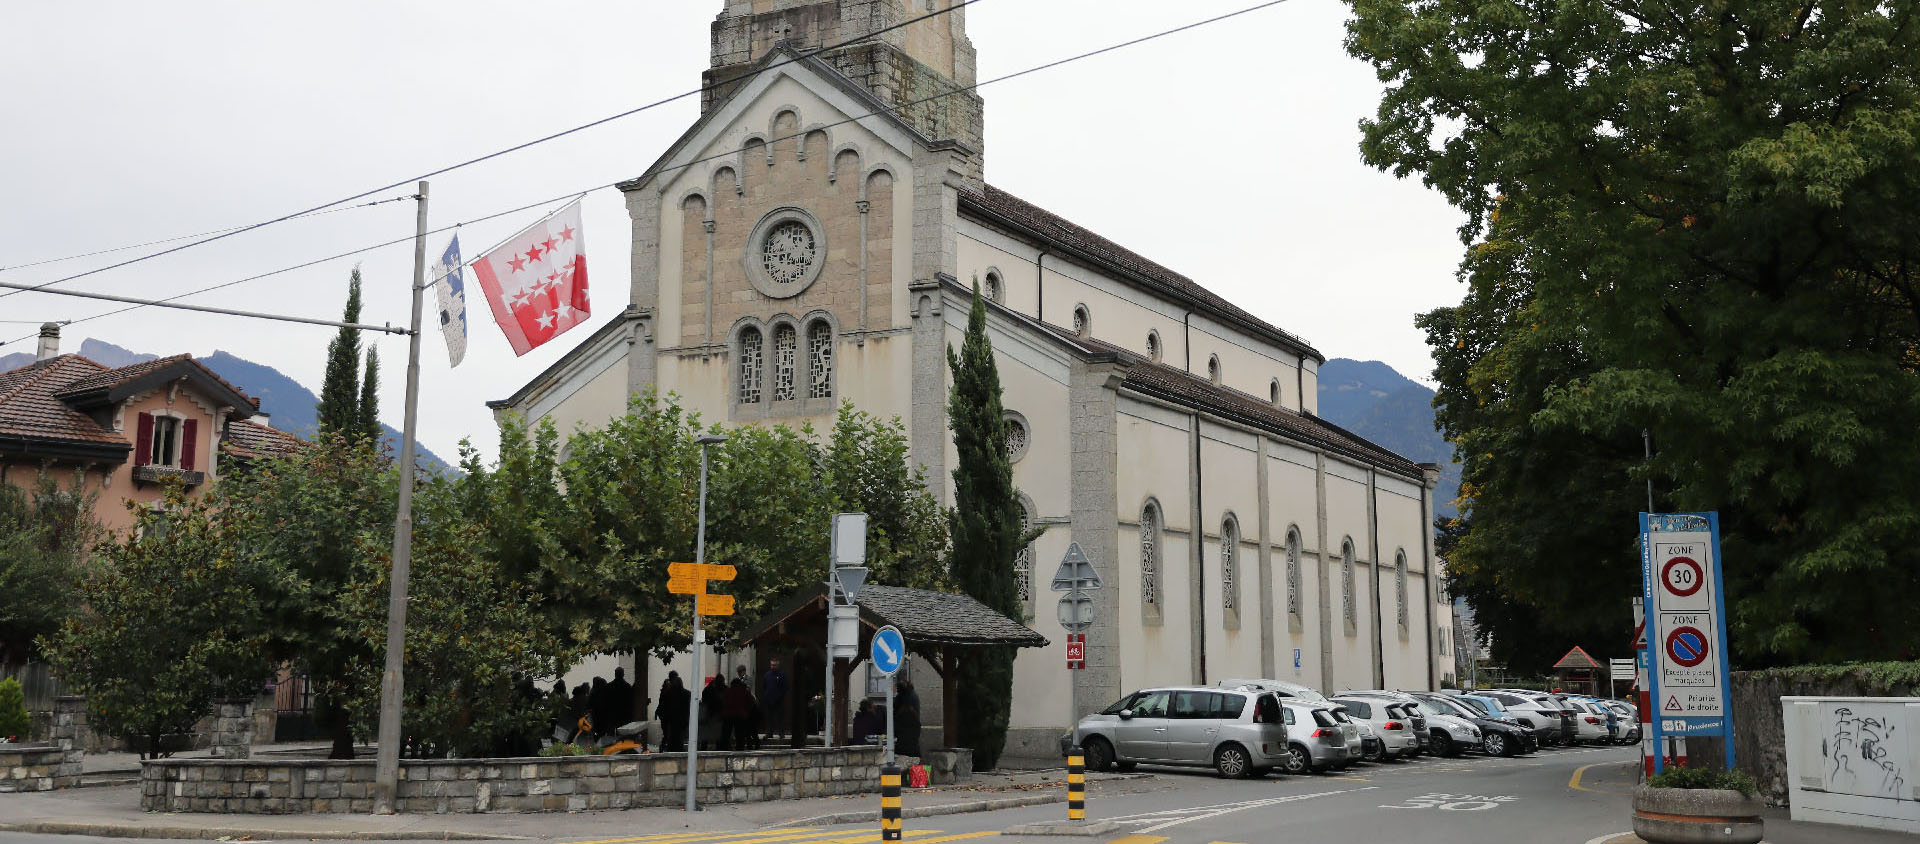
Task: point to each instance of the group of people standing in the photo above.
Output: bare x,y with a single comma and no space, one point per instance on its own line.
595,710
732,717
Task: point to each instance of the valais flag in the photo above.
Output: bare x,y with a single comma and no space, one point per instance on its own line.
537,282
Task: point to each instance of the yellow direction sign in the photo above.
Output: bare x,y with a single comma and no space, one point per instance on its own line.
686,585
702,571
715,604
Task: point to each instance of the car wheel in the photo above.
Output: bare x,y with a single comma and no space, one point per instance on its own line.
1299,761
1443,745
1496,745
1098,754
1232,761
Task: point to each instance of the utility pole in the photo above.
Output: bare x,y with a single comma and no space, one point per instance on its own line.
392,679
699,637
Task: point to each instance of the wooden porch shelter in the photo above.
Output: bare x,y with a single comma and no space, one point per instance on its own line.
940,627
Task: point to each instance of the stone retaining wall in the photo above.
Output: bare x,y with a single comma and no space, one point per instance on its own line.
521,784
37,767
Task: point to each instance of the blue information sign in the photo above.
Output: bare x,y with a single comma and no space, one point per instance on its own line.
889,650
1688,682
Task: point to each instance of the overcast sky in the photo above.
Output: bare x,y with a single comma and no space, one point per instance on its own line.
1228,153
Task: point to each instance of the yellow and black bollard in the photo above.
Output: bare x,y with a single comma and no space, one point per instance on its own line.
1076,785
890,803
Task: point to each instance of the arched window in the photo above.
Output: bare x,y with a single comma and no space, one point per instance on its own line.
1293,572
1150,555
786,348
1400,585
1229,564
1023,563
1017,436
752,365
820,360
1213,368
1153,346
1347,598
1273,391
1082,320
992,288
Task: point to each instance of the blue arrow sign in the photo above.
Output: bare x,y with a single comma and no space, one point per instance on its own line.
889,650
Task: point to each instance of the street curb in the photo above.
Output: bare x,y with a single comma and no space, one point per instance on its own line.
109,830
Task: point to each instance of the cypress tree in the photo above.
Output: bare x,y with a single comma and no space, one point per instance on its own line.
369,410
985,527
339,409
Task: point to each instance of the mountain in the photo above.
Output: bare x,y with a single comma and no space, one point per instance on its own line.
293,407
1369,398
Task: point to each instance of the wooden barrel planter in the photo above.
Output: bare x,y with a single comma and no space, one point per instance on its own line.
1690,815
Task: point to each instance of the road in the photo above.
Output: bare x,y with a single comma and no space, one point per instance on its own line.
1575,796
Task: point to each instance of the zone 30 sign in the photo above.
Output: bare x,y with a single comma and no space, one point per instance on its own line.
1687,626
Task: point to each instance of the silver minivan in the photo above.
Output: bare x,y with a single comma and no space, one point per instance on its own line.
1240,733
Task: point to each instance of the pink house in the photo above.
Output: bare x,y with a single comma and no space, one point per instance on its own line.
120,432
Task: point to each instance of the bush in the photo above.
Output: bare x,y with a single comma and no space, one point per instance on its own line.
13,711
1681,776
568,750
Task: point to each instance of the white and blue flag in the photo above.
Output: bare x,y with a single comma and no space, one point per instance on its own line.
453,300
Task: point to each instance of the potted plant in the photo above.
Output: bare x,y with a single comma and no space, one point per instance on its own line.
1683,805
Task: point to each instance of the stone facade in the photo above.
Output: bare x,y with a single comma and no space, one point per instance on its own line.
524,784
233,726
56,764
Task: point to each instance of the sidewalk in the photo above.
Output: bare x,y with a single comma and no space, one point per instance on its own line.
115,811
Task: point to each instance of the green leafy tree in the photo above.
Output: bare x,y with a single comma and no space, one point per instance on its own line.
368,426
44,533
340,404
14,721
313,516
985,527
169,621
1695,220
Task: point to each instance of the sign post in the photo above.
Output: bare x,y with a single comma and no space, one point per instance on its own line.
1684,631
846,571
1075,610
888,652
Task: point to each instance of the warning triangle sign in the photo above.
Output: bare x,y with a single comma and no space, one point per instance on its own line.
1076,571
1673,704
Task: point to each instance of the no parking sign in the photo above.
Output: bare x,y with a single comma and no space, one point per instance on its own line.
1689,684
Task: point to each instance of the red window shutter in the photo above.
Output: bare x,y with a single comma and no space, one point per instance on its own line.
188,429
143,440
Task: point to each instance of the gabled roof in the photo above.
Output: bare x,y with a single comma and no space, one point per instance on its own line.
1577,658
247,439
924,617
29,410
1023,218
781,53
115,385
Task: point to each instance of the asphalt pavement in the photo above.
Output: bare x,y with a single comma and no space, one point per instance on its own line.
1578,796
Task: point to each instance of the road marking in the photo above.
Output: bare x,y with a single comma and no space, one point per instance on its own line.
1138,839
1351,779
783,836
1581,771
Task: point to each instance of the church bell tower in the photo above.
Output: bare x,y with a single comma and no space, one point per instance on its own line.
922,71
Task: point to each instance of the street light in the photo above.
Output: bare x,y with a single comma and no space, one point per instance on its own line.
699,558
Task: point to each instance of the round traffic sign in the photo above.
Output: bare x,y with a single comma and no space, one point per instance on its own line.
1687,646
889,650
1683,576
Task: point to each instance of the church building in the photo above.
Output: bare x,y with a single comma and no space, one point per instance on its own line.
814,237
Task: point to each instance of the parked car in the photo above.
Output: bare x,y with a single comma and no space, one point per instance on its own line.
1282,688
1397,736
1240,733
1589,722
1498,736
1538,728
1627,724
1538,707
1369,739
1319,736
1415,714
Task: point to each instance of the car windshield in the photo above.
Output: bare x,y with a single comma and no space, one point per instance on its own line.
1356,708
1487,705
1443,706
1324,717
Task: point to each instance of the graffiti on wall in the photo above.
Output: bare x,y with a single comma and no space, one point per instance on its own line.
1862,753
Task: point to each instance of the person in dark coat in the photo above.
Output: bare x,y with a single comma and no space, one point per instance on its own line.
736,715
712,698
866,723
619,701
773,694
579,707
906,717
675,701
598,709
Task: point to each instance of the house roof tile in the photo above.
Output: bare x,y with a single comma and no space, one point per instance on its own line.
247,439
28,408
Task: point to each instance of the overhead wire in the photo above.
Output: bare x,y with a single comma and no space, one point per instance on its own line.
46,261
959,4
733,152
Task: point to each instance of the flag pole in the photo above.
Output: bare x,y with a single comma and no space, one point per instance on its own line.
392,680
